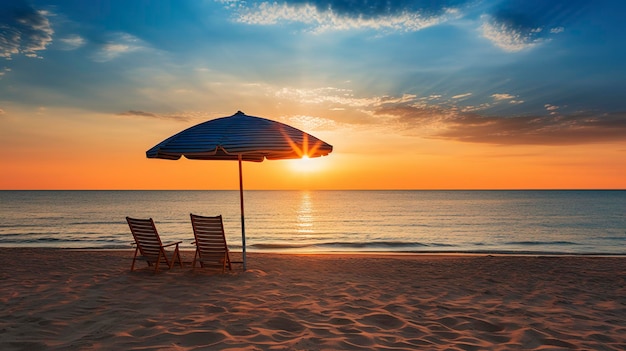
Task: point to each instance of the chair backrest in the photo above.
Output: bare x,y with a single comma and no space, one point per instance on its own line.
146,236
210,237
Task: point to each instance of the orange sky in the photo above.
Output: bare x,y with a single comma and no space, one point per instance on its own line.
54,149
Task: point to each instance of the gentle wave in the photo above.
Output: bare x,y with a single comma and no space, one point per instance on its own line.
541,243
396,245
95,223
44,240
340,245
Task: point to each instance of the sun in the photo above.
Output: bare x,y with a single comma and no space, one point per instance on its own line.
305,164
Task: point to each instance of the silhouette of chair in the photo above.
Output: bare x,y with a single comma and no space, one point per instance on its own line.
149,244
210,241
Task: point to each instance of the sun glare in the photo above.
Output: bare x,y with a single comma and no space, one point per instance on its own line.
305,164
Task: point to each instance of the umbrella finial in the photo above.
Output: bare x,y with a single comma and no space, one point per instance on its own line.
239,113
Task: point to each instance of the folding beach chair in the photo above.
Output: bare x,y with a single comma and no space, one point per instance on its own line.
210,241
149,244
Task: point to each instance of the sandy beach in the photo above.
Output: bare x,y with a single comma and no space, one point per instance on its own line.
55,299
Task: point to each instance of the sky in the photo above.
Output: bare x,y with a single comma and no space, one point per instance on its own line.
422,94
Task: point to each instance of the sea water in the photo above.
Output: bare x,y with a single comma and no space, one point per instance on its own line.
507,222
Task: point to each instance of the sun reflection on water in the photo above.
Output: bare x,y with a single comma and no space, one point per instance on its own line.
304,215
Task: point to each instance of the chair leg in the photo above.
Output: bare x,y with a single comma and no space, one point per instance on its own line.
180,261
132,266
156,268
195,257
176,256
224,263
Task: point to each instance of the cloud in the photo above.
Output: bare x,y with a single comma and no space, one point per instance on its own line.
416,115
306,122
72,42
461,96
452,123
538,130
138,113
321,16
442,118
338,96
510,38
184,116
557,30
551,107
23,30
119,44
499,97
503,97
326,95
4,71
515,26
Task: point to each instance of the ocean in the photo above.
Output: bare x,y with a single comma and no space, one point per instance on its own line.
498,221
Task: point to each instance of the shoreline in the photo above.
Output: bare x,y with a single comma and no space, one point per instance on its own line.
502,253
56,299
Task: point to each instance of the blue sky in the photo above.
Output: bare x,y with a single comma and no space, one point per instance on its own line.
556,63
507,72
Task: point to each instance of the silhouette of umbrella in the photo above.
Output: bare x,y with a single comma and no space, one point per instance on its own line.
243,138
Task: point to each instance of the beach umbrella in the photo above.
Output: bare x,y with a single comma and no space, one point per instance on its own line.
243,138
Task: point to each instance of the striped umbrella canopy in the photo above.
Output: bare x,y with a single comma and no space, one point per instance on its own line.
243,138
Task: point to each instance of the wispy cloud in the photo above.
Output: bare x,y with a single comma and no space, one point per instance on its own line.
515,26
557,30
118,45
512,99
462,96
310,122
4,71
338,96
499,97
581,128
72,42
509,38
451,122
551,107
182,117
23,30
325,95
138,113
322,16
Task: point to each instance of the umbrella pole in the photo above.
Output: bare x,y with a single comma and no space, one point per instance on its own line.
243,226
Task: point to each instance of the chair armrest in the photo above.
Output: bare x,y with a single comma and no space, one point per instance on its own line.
170,244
